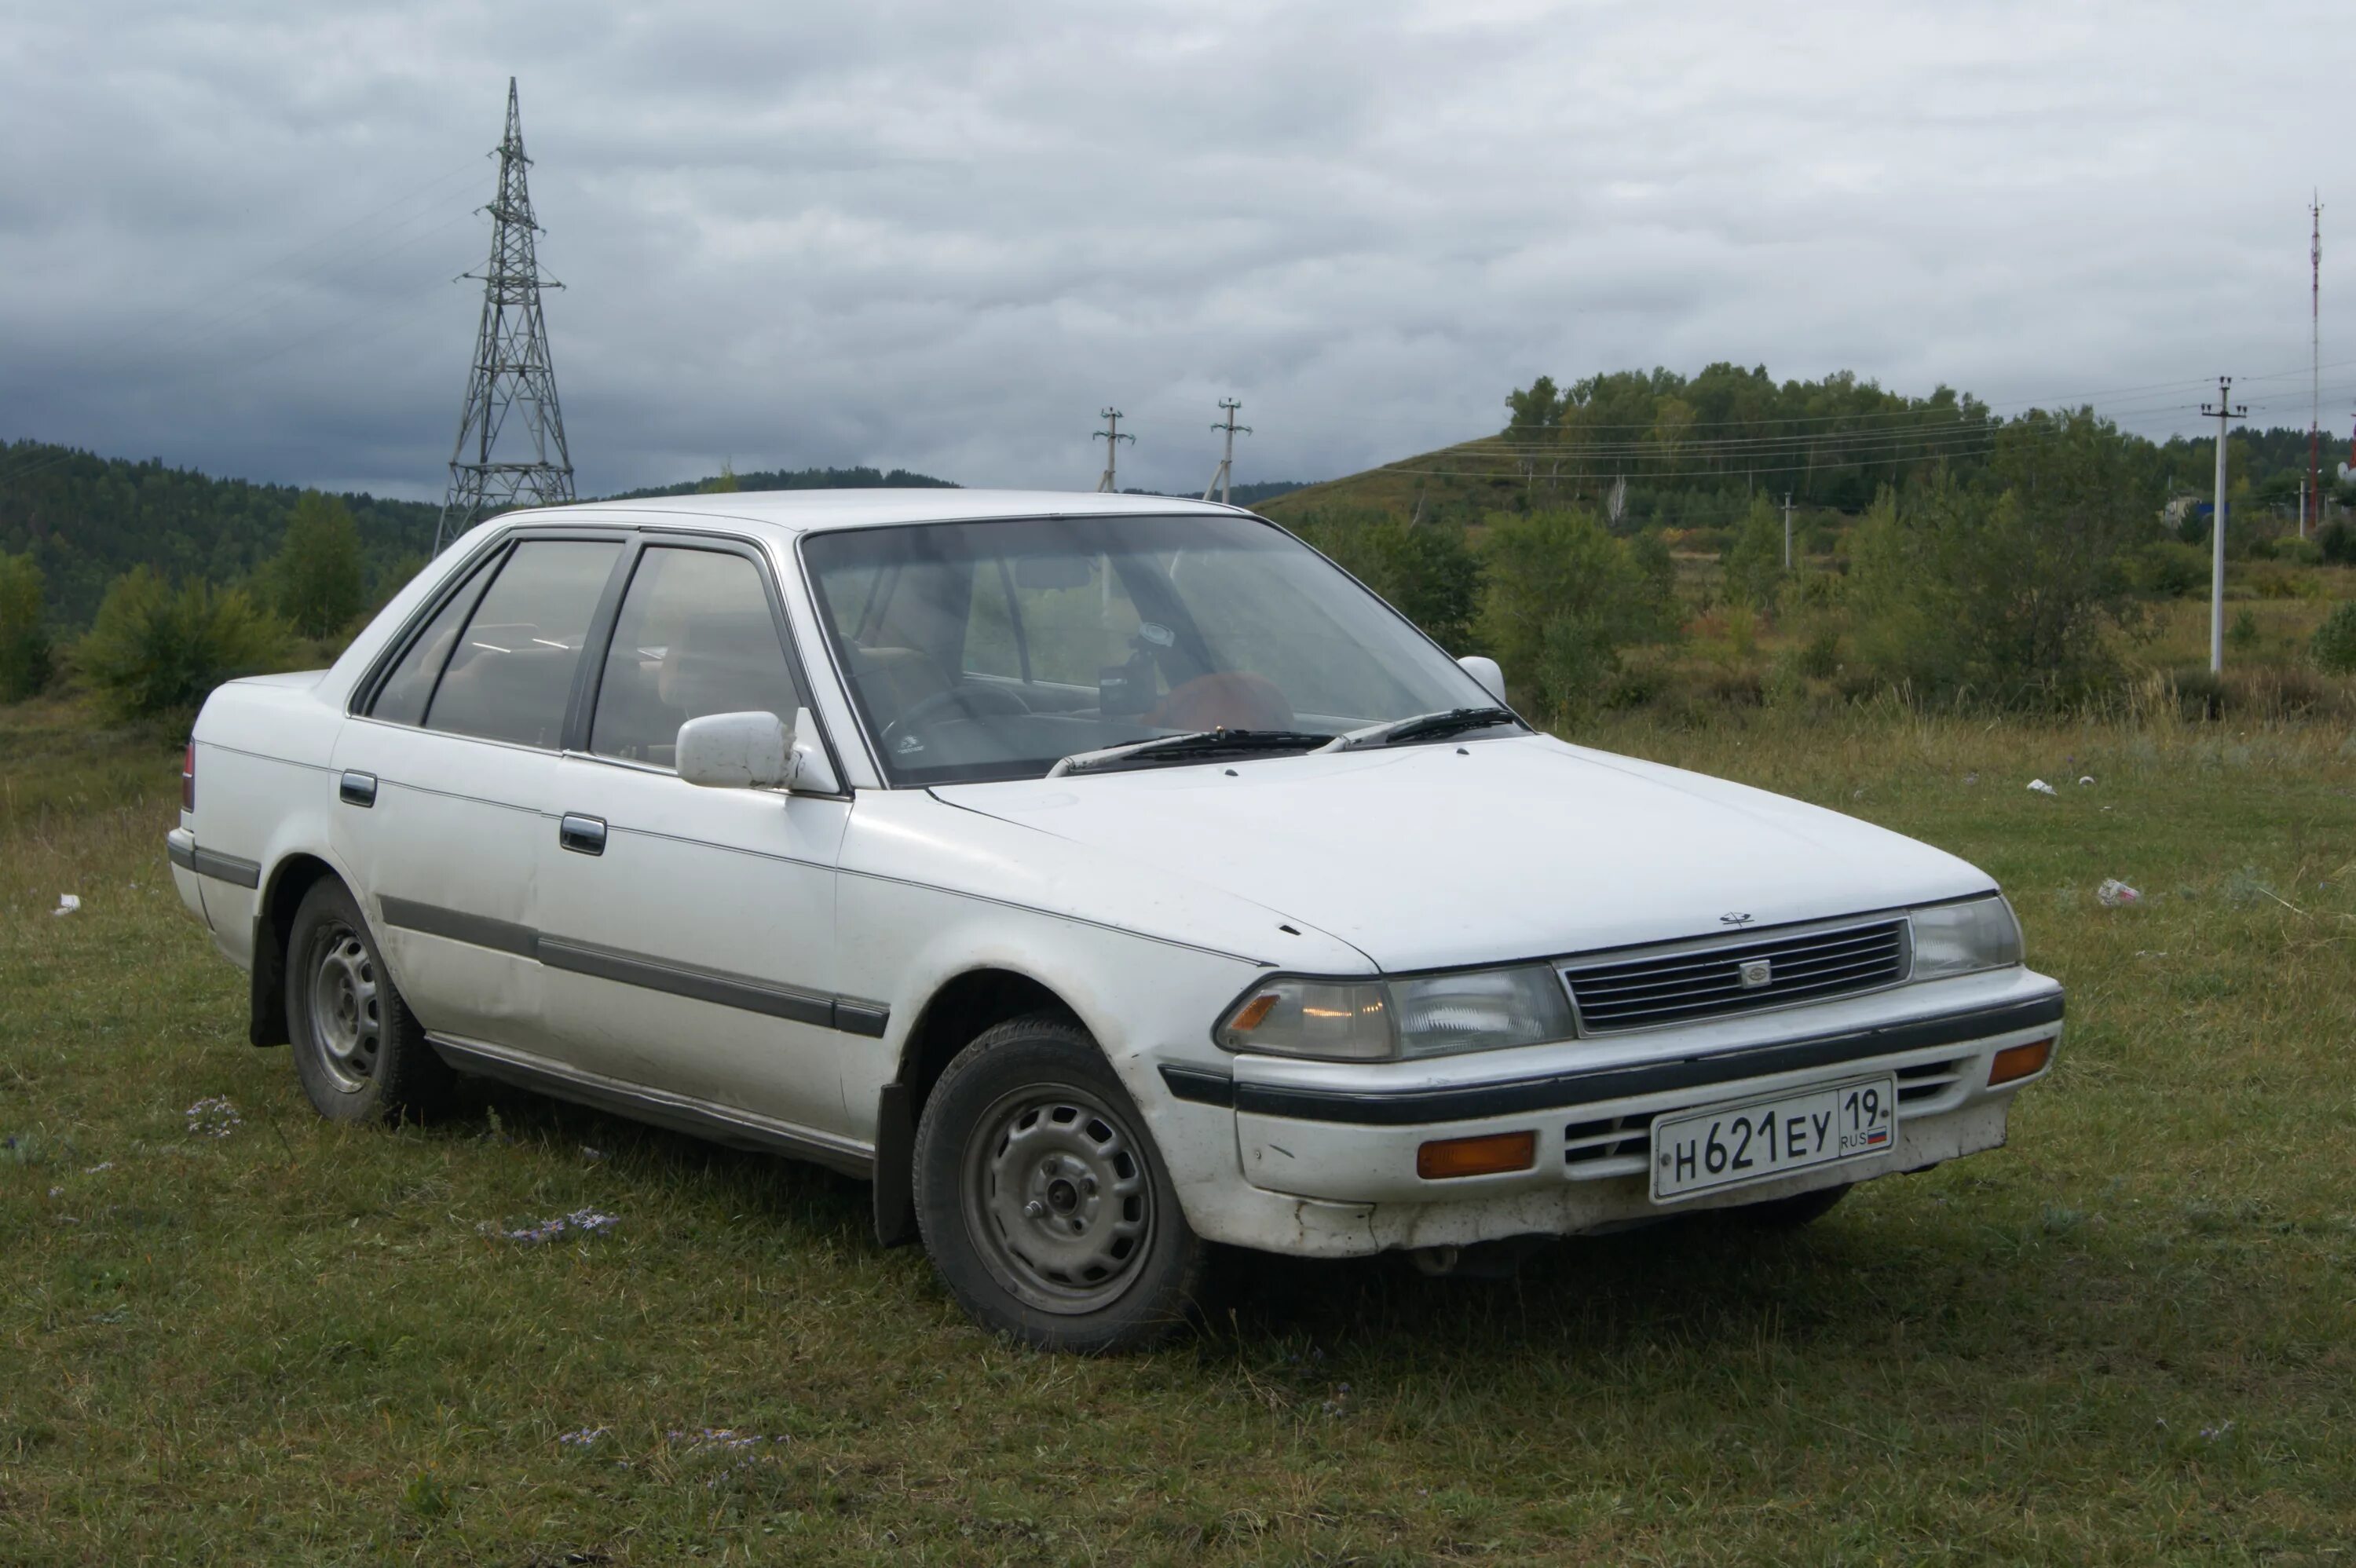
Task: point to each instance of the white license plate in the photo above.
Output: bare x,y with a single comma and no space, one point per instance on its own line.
1729,1146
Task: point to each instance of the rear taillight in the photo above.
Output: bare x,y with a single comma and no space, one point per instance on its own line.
188,778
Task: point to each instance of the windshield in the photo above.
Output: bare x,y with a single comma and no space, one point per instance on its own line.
992,650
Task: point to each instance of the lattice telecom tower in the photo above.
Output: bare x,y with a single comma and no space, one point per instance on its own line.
511,367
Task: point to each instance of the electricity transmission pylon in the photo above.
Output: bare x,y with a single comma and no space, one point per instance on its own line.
511,367
1227,406
1112,438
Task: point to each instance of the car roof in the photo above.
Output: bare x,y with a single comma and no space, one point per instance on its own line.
811,511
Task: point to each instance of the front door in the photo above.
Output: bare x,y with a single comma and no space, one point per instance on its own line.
687,935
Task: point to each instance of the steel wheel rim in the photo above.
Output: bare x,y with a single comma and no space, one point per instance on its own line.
347,1010
1057,1197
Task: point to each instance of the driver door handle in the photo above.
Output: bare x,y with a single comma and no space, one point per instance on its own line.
581,833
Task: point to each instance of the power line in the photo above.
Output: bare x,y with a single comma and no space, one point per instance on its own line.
2315,328
1112,438
1219,481
2223,411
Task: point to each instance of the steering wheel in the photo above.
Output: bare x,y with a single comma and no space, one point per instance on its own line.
975,700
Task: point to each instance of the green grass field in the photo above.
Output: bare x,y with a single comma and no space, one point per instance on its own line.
2126,1339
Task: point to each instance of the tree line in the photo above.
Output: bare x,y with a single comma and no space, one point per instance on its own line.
1940,549
155,583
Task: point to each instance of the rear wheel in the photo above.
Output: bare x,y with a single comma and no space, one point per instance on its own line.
1042,1202
360,1052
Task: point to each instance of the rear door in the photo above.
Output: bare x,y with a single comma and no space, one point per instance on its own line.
688,933
446,777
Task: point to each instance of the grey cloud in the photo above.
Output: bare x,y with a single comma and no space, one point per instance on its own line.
944,236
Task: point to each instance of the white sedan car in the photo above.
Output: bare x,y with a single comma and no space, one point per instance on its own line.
1100,876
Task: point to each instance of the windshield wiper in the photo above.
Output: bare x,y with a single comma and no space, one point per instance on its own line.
1193,743
1422,727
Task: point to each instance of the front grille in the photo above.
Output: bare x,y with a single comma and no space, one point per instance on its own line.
1615,1147
1708,982
1928,1080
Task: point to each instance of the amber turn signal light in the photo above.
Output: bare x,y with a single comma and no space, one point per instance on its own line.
2020,1062
1485,1155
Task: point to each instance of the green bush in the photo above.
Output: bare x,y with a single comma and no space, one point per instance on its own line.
1819,656
2170,569
2336,542
1754,562
317,570
1564,598
1425,570
2334,644
2011,588
24,629
157,650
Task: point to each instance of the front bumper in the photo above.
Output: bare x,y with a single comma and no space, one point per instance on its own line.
1328,1150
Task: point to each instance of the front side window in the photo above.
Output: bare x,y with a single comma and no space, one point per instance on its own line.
510,673
695,637
991,650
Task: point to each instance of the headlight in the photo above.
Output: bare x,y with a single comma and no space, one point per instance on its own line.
1963,938
1487,1010
1376,1020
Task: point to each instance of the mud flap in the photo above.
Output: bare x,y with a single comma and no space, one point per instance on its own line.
895,1176
266,1019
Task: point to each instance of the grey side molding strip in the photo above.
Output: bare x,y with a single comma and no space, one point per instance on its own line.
717,986
702,985
479,931
220,868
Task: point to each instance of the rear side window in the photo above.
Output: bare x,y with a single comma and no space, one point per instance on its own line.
695,637
410,685
510,673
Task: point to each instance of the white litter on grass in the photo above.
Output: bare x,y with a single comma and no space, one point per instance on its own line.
2041,787
2085,780
588,1221
94,1169
67,905
719,1439
2115,894
213,1118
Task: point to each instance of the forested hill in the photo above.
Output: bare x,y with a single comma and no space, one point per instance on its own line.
798,479
1658,447
86,519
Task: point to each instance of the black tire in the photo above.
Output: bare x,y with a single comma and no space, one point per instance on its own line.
1028,1133
360,1052
1792,1213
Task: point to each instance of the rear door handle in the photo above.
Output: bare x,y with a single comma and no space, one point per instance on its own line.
356,788
581,835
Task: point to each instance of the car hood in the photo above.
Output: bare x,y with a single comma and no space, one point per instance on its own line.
1429,855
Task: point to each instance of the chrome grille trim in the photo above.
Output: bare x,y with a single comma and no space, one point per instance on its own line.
1703,980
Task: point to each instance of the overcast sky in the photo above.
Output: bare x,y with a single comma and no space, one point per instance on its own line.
943,236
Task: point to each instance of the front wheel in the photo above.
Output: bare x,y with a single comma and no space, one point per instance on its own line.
360,1052
1042,1202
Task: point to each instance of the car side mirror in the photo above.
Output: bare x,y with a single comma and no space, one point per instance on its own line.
754,751
1484,669
734,750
